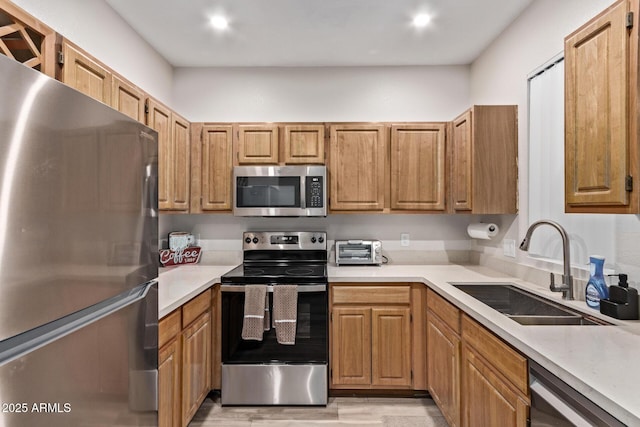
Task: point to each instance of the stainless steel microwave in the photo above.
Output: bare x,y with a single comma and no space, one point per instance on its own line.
280,190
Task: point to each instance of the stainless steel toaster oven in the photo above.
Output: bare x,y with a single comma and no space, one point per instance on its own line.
358,252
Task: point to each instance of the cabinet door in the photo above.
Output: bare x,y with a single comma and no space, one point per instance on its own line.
169,385
216,338
26,39
181,146
83,73
596,92
486,399
357,167
351,347
128,99
257,144
443,368
462,163
196,365
217,167
391,347
304,144
418,172
159,119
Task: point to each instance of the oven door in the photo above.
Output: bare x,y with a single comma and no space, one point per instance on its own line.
311,343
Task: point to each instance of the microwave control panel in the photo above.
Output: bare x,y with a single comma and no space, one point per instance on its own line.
314,192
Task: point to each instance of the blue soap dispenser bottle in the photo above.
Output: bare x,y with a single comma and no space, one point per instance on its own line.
596,286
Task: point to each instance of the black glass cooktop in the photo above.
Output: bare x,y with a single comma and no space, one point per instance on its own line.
269,273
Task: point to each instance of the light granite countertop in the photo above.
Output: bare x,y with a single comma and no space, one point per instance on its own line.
592,359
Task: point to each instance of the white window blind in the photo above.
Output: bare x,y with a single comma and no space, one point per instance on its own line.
589,233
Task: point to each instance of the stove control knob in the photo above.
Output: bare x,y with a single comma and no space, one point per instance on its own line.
313,239
248,240
255,240
320,239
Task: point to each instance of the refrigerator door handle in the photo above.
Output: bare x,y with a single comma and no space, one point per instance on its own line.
29,341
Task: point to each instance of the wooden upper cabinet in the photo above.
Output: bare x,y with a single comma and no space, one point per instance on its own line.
174,157
181,141
418,168
85,74
128,99
257,144
159,119
484,160
601,60
26,39
303,144
357,172
461,165
216,173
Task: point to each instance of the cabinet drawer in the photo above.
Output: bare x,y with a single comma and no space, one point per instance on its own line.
169,327
506,360
446,311
195,307
367,294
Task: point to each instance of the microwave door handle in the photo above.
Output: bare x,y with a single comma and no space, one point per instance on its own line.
303,192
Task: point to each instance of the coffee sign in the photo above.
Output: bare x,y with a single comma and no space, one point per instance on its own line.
190,255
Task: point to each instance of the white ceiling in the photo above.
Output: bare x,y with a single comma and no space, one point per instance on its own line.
318,32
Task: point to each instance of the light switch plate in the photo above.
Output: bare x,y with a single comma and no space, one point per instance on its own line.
509,247
404,239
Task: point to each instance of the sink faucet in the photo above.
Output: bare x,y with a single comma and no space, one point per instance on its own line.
567,280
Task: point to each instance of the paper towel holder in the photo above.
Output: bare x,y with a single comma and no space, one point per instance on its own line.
482,230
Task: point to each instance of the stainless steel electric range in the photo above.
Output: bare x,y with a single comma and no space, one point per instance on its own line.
266,372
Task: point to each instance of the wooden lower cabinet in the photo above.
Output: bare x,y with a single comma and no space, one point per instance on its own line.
488,400
391,346
196,365
494,379
169,386
351,351
474,377
443,368
371,337
184,361
170,370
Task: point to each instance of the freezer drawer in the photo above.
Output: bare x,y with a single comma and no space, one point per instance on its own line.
99,373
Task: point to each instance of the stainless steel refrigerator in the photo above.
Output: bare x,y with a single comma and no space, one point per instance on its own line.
78,258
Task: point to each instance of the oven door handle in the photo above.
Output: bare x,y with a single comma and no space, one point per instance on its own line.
301,288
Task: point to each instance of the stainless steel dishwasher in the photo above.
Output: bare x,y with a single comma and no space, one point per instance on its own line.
556,404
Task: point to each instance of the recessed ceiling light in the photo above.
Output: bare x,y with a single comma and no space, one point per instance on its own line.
421,20
219,22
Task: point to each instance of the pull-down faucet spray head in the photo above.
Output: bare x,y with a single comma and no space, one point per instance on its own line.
567,280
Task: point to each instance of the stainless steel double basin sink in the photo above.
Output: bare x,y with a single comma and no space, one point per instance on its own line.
525,307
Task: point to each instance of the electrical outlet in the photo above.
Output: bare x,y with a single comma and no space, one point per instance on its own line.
404,239
509,248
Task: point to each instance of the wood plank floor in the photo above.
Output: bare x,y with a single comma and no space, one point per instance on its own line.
341,411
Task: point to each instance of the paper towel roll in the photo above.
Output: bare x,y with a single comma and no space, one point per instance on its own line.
481,230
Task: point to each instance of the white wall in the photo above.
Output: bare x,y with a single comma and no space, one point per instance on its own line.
499,75
96,27
322,93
